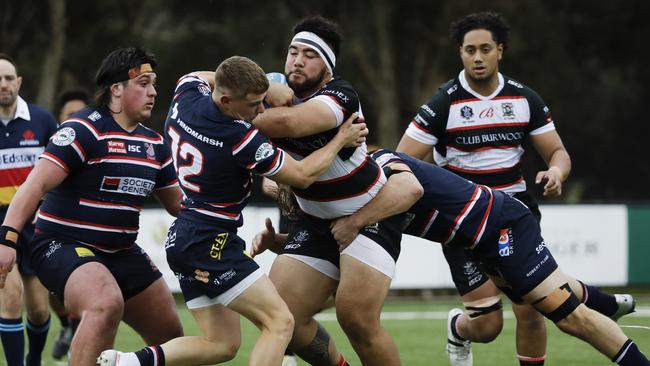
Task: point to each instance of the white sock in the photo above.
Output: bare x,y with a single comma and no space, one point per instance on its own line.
127,359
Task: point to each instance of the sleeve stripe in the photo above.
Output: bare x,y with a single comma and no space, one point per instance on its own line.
546,128
417,133
79,150
242,144
334,106
56,161
277,164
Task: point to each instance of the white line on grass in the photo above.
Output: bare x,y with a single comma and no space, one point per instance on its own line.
439,315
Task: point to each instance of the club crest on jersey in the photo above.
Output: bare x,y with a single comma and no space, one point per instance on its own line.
466,112
64,136
263,151
505,242
151,153
508,110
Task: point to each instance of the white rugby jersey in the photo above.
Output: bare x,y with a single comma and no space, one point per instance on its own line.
353,179
481,137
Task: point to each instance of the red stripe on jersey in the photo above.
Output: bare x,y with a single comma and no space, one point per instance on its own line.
104,203
338,198
14,177
87,223
481,226
465,101
509,184
56,160
481,171
509,97
462,213
491,125
234,148
414,123
81,150
125,158
274,163
329,181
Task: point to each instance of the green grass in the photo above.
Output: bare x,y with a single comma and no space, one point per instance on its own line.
420,341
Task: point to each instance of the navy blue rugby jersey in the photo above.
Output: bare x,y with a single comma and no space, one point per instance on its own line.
480,137
111,172
352,179
214,155
453,211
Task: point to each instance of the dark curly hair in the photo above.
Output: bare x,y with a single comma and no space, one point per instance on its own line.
490,21
326,29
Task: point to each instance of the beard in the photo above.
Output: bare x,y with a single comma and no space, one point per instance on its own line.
308,86
8,100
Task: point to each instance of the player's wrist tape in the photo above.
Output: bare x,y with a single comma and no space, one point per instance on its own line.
9,236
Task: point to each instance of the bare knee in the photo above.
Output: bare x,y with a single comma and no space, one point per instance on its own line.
357,323
529,318
105,311
485,328
38,314
282,323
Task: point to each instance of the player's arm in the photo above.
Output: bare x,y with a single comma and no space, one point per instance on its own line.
303,173
413,147
270,188
170,198
304,119
44,177
268,239
401,191
550,147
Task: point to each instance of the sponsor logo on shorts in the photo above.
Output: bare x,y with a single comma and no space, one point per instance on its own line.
505,242
217,247
127,185
373,228
225,277
540,247
537,266
53,247
84,252
297,240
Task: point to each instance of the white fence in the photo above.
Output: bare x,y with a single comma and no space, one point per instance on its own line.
588,241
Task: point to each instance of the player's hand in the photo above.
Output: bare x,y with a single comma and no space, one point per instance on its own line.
344,230
279,95
265,239
7,260
203,276
552,180
353,134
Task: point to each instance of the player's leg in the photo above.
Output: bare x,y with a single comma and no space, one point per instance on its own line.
38,317
359,300
530,335
11,322
482,319
64,337
152,314
91,290
304,289
553,298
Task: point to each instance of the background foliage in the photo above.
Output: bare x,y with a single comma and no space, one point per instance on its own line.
585,58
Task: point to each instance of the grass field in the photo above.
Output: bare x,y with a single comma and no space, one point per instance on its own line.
419,328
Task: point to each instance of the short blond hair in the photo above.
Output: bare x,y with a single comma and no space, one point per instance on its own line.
241,76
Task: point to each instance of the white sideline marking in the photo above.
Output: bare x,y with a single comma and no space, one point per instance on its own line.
634,326
642,312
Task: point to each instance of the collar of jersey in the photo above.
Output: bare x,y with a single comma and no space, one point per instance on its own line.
22,111
465,85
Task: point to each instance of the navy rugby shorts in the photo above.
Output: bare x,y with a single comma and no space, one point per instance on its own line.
516,255
54,259
212,248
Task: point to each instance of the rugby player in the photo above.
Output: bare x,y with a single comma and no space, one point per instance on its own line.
476,125
97,171
310,267
24,132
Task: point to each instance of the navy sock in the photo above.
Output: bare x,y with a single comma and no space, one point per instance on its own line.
453,328
37,336
13,340
598,300
629,355
151,356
